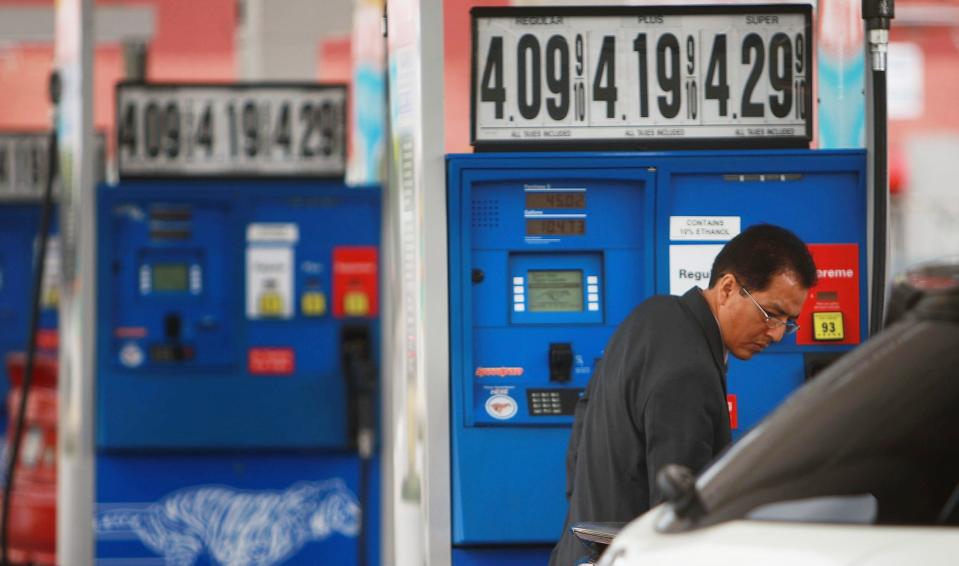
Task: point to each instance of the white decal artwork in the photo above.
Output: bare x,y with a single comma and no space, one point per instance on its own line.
235,528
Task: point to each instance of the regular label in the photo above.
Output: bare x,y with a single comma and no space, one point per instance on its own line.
269,282
690,266
703,228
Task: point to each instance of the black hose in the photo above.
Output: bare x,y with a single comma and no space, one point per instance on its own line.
360,372
878,14
363,371
880,201
364,495
43,233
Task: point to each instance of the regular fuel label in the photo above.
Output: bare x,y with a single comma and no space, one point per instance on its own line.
636,75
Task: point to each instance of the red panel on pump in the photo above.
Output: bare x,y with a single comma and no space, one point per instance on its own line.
831,312
733,407
355,280
271,361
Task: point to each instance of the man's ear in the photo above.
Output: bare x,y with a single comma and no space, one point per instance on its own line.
725,288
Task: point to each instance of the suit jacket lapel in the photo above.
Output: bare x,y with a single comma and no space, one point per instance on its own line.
694,302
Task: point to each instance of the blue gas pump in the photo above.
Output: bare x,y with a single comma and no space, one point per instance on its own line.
549,252
237,340
23,169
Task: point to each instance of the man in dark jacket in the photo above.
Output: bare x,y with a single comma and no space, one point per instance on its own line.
659,394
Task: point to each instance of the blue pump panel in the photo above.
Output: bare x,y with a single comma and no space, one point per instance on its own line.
218,319
550,252
19,223
16,267
547,257
819,195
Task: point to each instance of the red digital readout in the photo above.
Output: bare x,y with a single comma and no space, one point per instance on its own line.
271,361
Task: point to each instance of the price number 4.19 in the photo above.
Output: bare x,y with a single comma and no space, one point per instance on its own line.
674,66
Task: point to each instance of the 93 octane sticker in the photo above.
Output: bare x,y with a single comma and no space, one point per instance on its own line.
170,130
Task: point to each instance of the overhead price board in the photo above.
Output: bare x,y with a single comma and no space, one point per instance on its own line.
23,164
642,76
168,130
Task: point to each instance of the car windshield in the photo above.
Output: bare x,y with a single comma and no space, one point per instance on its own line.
874,439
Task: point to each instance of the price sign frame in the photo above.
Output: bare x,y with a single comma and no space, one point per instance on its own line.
23,164
571,77
231,130
24,167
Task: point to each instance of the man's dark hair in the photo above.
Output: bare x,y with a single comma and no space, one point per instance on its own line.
759,253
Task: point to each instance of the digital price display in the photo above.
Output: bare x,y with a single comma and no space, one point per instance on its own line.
556,227
168,130
637,76
552,200
555,291
170,277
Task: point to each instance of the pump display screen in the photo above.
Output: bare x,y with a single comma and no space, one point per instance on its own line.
555,291
556,227
170,277
575,199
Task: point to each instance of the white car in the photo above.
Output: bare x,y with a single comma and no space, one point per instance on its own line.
859,467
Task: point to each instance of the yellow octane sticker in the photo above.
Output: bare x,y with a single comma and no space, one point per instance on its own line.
827,326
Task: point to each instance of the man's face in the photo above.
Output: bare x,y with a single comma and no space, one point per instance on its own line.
744,328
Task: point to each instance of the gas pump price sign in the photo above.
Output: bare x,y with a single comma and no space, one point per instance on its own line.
639,76
170,130
23,164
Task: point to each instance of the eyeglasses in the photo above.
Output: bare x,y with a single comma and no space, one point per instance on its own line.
772,323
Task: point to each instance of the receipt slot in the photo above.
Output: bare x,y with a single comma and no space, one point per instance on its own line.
550,252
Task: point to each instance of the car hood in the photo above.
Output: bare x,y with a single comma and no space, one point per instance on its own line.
744,543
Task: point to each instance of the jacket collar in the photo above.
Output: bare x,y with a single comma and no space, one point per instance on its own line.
696,304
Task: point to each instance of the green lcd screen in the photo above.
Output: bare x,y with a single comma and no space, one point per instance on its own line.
170,277
555,291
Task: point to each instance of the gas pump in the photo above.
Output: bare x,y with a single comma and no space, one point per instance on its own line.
29,297
23,170
237,324
549,251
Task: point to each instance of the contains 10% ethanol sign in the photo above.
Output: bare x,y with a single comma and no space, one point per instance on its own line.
638,76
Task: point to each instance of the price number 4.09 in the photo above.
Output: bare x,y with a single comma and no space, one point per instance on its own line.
665,59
